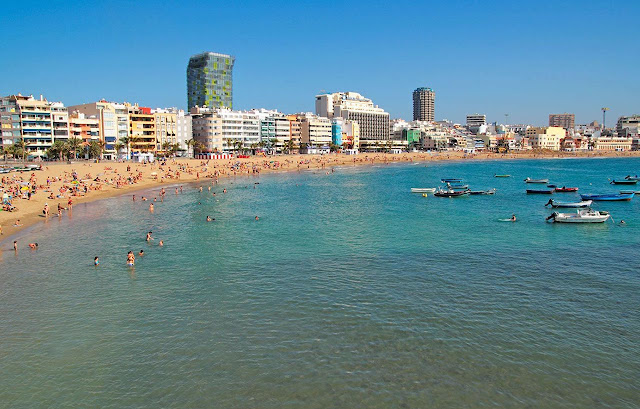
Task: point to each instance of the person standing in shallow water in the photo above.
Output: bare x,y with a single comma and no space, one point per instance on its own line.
131,259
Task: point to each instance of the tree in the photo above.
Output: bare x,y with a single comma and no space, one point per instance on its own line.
95,150
165,148
175,147
56,150
73,146
126,141
191,143
118,147
19,148
333,147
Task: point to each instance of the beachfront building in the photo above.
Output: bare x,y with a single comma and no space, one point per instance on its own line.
373,120
142,130
613,143
166,129
566,121
240,130
475,122
206,128
351,136
184,131
85,128
114,122
37,122
315,131
275,129
545,137
210,80
424,101
628,126
295,133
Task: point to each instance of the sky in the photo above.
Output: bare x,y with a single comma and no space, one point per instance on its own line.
526,59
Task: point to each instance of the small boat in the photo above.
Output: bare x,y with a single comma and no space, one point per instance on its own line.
628,192
553,186
423,189
566,189
540,191
581,216
608,198
529,180
585,203
457,186
483,192
451,193
624,182
451,180
629,177
501,176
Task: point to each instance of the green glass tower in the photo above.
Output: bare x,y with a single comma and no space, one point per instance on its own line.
209,80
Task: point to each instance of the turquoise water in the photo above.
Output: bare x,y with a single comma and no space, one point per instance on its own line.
348,292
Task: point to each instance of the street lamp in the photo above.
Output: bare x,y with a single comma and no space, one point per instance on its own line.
604,111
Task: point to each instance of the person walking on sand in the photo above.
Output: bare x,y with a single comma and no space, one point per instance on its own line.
45,210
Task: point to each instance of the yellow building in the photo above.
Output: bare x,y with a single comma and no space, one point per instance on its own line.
142,129
545,137
613,143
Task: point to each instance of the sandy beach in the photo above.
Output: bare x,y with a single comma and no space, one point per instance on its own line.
59,185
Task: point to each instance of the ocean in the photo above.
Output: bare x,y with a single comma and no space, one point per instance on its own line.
349,291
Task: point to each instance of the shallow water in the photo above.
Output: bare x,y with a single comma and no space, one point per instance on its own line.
348,292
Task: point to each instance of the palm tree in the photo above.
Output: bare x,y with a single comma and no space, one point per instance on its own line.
165,148
191,143
126,141
74,145
118,146
20,149
94,148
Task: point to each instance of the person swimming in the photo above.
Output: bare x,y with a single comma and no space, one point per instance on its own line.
513,217
149,238
161,243
141,253
33,246
131,259
96,261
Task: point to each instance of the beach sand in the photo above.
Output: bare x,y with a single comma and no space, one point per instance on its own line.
108,179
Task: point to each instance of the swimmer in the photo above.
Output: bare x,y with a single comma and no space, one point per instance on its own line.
141,253
15,245
513,217
96,261
209,219
622,222
33,246
257,218
131,259
134,198
151,207
149,236
161,243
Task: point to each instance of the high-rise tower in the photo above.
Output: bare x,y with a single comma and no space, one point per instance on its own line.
424,101
209,80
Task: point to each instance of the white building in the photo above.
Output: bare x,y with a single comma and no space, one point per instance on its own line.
475,121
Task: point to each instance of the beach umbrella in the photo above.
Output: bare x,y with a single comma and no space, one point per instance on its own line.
24,188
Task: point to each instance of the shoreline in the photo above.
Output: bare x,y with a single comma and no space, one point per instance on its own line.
222,169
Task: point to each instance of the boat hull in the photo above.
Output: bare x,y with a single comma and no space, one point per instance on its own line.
536,180
608,198
575,205
539,192
423,189
566,189
624,182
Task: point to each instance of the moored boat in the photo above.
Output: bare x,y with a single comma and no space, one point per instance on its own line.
529,180
451,193
483,192
585,203
608,198
423,189
451,180
501,176
457,186
628,192
566,189
540,191
581,216
629,177
624,182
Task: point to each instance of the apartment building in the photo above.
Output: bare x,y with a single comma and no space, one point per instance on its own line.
142,129
566,121
315,131
424,101
545,137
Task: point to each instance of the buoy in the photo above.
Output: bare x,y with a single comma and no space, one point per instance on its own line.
424,195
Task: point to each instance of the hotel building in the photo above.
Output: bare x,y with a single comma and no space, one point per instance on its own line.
424,101
566,121
545,137
142,129
210,80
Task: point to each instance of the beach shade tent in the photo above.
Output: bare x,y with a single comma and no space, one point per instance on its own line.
142,157
25,188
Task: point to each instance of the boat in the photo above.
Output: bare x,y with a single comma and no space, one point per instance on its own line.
451,180
529,180
628,192
501,176
451,193
585,203
553,186
566,189
629,177
581,216
482,192
608,198
423,189
457,186
540,191
624,182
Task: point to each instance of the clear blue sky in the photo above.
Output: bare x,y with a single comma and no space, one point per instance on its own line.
527,59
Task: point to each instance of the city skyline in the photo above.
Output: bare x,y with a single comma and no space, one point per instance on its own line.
502,77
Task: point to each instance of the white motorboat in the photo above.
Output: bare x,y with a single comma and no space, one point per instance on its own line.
423,189
581,216
582,204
